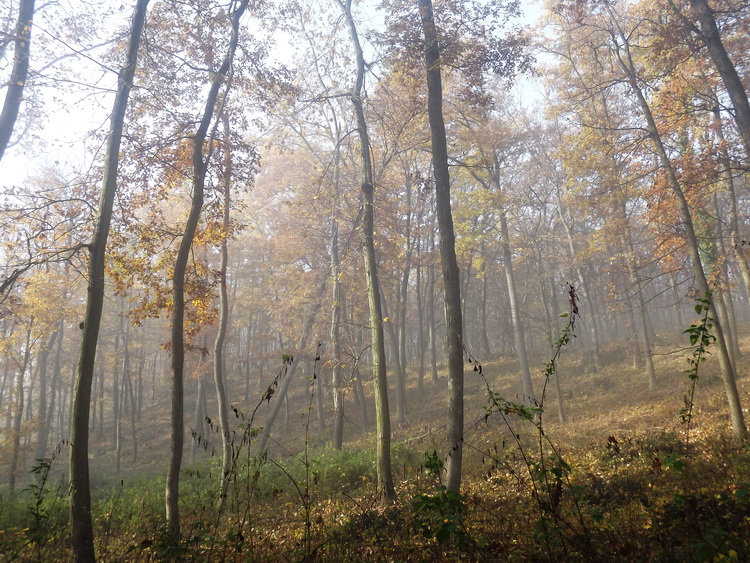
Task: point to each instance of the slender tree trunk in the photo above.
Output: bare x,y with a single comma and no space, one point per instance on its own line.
385,488
120,391
6,372
559,393
53,391
82,531
550,328
116,396
129,391
404,290
44,422
396,357
724,286
291,370
200,167
336,375
219,362
100,380
19,74
734,230
139,391
18,415
361,400
431,324
199,416
484,339
451,277
421,337
677,300
320,388
127,403
467,275
515,312
635,284
583,289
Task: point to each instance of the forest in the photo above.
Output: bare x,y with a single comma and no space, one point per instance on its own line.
394,280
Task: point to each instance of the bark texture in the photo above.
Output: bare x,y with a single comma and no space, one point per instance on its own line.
82,531
382,409
451,278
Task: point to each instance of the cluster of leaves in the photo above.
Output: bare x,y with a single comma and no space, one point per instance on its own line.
701,338
440,515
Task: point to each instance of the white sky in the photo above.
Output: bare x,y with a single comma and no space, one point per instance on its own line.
64,139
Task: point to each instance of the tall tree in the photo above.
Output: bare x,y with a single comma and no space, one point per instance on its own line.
451,279
80,490
382,410
221,333
202,144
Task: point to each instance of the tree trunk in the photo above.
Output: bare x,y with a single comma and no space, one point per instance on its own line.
421,337
385,488
280,395
361,400
336,375
199,417
53,392
724,286
583,290
451,277
677,300
709,34
82,531
484,339
318,380
117,396
734,230
44,420
396,362
404,290
219,362
635,284
19,74
127,399
200,166
431,323
18,415
515,311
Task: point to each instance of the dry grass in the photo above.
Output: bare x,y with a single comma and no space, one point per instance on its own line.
624,498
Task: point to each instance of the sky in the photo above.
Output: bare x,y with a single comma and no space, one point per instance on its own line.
70,114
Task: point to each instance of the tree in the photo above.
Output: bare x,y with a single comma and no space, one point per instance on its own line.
382,410
80,491
202,145
219,343
451,280
19,73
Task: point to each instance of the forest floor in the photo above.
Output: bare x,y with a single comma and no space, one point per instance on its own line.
623,478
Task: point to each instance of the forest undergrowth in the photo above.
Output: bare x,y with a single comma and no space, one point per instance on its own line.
624,478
